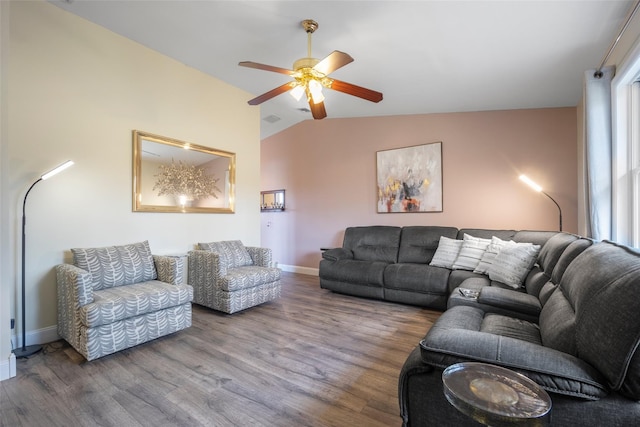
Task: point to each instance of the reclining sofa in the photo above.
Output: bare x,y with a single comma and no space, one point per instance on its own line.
573,326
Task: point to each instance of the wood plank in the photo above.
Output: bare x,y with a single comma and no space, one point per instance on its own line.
310,358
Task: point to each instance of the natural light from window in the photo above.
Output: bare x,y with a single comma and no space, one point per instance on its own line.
626,149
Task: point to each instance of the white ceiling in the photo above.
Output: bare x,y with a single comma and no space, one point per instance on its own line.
424,56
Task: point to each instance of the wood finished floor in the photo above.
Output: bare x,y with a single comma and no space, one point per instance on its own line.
311,358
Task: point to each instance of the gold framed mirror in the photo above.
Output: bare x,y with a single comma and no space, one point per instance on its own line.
176,176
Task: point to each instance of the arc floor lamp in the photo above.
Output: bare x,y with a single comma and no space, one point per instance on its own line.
28,350
537,188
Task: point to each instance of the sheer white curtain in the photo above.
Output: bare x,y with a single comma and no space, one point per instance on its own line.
597,111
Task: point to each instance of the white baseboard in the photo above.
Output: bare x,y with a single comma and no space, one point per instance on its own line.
296,269
8,367
39,336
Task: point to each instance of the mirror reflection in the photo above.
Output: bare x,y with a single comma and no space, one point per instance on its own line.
272,200
175,176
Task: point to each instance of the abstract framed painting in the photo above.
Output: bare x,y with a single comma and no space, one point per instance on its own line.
410,179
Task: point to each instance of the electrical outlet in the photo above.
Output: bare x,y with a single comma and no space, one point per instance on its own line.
13,323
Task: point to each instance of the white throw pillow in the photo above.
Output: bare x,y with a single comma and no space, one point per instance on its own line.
447,252
512,264
490,254
471,252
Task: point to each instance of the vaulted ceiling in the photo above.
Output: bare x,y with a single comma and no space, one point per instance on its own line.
424,56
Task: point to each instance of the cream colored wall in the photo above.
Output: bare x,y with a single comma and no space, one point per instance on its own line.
328,169
76,91
7,364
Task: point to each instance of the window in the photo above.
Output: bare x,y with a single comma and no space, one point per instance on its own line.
634,138
625,92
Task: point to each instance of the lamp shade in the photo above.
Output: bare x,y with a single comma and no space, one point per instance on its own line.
530,183
57,170
537,188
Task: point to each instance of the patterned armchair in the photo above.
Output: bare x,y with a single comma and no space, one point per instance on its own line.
117,297
229,277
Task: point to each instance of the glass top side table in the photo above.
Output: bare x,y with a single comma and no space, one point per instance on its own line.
495,396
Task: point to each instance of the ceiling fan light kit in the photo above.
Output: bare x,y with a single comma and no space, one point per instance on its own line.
311,76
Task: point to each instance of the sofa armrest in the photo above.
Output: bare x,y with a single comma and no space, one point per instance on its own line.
261,257
337,254
75,288
170,269
510,300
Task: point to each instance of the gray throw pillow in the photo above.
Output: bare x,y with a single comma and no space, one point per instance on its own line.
513,262
447,252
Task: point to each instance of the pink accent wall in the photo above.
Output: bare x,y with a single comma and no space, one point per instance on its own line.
328,169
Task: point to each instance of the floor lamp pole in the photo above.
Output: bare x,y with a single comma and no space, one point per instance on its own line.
559,210
28,350
537,188
25,350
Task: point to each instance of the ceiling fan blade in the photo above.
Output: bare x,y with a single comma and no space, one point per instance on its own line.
360,92
265,67
332,62
272,93
317,110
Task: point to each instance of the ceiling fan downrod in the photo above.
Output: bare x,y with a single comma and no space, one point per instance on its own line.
309,26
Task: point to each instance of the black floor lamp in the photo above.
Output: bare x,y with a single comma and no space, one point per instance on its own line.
28,350
536,187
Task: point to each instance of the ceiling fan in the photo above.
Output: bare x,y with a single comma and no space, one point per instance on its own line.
311,75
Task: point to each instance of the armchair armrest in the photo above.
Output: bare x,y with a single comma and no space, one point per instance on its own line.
75,287
170,269
205,268
337,254
261,257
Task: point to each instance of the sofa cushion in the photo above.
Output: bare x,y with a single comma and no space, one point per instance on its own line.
373,243
248,277
513,262
594,307
352,271
467,334
419,278
470,253
536,237
418,244
232,252
569,254
116,265
603,284
122,302
552,250
487,233
447,252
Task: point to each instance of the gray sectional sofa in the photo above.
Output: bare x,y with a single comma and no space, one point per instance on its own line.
392,263
573,326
